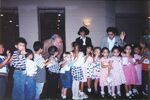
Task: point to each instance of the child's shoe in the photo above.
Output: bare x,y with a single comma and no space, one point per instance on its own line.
102,94
131,94
114,96
63,97
89,90
83,95
135,91
119,93
128,96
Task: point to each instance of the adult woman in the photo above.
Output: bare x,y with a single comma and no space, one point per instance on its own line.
83,40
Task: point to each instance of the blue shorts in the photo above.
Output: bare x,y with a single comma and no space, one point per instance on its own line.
66,79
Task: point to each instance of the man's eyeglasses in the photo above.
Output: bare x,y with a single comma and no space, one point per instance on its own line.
110,34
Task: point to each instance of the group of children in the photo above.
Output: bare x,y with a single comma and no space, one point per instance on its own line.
106,68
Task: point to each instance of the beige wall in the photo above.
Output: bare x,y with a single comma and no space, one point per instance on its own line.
75,12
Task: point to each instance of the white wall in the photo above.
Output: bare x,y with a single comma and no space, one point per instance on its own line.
149,14
75,12
28,24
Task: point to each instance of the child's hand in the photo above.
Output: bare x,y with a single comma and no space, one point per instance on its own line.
8,54
23,52
62,63
47,61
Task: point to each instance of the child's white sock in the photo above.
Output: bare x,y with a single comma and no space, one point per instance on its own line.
119,93
89,89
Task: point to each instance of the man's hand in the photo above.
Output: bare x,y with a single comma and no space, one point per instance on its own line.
122,36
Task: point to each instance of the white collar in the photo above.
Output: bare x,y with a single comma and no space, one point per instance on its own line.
111,40
82,37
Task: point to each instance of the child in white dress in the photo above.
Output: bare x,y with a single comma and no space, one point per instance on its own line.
117,72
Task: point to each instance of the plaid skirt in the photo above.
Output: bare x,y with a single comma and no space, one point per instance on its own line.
77,73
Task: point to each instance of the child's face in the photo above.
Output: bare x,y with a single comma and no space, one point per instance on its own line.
20,46
30,56
67,57
97,52
76,48
142,45
128,49
56,53
105,53
137,50
89,50
116,52
1,49
41,50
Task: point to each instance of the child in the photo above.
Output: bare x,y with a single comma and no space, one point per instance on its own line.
87,71
40,63
53,72
88,65
145,52
3,70
129,70
106,65
77,74
65,74
96,67
19,64
31,69
138,68
117,71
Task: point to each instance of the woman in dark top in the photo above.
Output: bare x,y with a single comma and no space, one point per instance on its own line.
83,40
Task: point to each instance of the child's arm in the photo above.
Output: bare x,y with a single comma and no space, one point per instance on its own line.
104,66
6,61
47,61
8,56
139,61
110,67
62,63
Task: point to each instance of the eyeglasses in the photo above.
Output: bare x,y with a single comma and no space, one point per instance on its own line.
110,34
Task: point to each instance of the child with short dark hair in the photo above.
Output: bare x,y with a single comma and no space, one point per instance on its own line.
41,64
3,70
31,68
19,64
53,72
